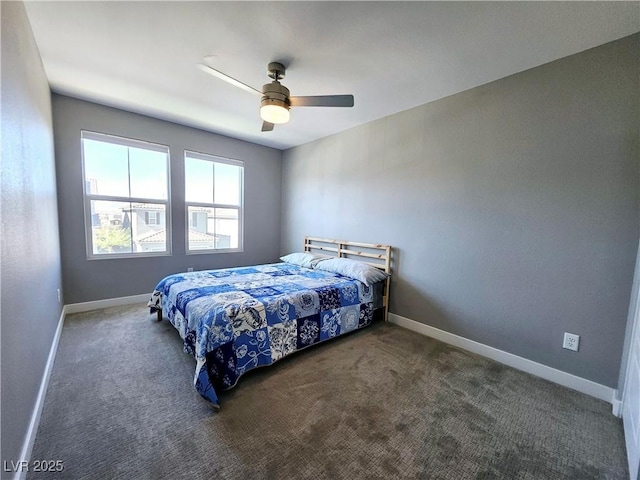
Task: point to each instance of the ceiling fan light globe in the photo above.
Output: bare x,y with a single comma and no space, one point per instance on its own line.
276,114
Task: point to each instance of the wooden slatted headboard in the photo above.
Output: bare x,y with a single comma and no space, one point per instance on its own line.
373,254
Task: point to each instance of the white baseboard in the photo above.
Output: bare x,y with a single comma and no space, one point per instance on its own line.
109,302
30,438
617,407
574,382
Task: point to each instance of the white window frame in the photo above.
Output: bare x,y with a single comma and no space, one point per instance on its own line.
88,197
214,159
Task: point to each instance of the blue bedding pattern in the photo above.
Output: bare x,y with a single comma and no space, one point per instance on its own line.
236,319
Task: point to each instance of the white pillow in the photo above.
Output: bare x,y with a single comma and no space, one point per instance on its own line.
367,274
304,259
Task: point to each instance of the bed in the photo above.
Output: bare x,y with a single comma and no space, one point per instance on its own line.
236,319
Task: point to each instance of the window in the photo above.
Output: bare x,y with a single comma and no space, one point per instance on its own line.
126,197
194,220
152,218
214,196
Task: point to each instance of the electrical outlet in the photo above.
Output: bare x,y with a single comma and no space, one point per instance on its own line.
190,269
571,341
59,298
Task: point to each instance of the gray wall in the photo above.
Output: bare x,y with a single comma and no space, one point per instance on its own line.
86,280
30,273
513,207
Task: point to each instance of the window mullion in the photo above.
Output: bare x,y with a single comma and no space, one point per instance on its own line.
215,223
130,202
212,205
213,183
108,198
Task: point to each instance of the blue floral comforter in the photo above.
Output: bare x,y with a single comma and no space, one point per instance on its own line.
236,319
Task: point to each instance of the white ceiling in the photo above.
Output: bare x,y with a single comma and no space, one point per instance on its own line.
141,56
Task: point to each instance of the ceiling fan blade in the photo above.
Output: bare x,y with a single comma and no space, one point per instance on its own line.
228,79
267,127
322,101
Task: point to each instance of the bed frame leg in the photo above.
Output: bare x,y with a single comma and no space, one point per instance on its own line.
386,298
159,312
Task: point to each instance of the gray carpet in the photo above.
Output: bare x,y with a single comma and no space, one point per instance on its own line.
383,402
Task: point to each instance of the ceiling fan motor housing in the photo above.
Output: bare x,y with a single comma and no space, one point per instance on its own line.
275,93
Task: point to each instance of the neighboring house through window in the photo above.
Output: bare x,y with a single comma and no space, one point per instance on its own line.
126,196
214,199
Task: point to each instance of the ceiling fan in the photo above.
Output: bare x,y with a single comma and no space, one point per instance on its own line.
276,101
